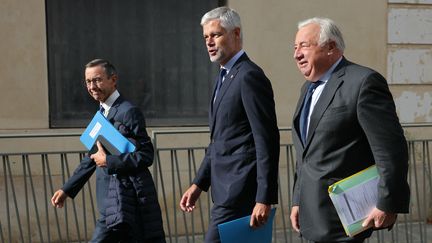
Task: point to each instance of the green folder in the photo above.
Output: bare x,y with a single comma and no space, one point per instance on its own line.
354,198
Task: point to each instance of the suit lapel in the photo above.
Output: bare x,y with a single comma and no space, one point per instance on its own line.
326,97
297,110
113,109
229,78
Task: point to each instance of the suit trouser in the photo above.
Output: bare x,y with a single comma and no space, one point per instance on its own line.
105,235
221,214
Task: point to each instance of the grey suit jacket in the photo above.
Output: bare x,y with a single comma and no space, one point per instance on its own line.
353,125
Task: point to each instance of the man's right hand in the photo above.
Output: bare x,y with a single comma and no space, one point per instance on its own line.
189,198
295,218
58,198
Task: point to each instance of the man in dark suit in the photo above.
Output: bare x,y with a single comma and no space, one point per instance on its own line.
241,162
123,178
348,124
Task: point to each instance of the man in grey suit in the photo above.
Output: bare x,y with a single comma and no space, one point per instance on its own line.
241,163
126,195
345,121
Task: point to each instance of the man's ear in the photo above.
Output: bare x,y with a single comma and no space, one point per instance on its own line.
114,79
237,32
331,47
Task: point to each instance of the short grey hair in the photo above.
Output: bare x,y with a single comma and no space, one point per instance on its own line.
110,70
328,31
229,18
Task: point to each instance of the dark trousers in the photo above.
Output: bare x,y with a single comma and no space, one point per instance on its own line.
104,235
220,214
123,234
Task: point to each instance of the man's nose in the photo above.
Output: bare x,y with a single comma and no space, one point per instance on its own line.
210,42
297,54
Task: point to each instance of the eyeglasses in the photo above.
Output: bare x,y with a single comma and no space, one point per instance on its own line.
95,81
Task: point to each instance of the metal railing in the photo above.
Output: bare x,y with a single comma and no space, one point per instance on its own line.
28,180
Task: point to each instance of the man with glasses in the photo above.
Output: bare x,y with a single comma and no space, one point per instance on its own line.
126,195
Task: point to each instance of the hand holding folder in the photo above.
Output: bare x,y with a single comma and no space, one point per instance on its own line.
354,198
100,129
239,229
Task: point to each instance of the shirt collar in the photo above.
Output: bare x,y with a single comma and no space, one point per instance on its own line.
233,60
329,72
110,101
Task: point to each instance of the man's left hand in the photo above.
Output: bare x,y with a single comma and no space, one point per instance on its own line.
379,219
100,156
260,215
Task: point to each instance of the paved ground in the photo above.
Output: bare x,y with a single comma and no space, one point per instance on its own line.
415,233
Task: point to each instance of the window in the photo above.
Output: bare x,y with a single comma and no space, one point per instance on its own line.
156,46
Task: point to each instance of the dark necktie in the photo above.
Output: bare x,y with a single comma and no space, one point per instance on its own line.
102,110
306,108
219,82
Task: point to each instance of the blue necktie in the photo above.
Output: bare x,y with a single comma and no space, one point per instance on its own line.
219,82
305,110
102,110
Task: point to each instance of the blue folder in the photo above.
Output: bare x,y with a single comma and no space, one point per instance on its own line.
100,129
239,230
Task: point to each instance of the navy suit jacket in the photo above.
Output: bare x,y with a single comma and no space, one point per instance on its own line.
241,162
129,120
353,126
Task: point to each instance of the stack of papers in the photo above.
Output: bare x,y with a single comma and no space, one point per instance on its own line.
354,198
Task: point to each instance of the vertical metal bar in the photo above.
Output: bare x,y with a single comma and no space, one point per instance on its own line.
174,196
92,201
84,213
26,197
47,198
199,199
16,204
64,155
423,219
155,162
291,165
409,236
34,199
7,197
2,238
429,178
189,153
176,164
65,204
417,193
168,224
52,193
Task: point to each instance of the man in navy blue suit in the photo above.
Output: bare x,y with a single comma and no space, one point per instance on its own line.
241,162
126,195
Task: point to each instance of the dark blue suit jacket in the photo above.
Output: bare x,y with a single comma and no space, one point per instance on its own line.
130,121
241,162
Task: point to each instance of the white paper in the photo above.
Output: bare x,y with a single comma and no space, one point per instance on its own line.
95,130
357,202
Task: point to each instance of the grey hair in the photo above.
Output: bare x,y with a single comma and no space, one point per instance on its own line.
105,64
328,31
229,18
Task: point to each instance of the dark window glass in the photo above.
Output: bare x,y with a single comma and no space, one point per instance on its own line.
156,46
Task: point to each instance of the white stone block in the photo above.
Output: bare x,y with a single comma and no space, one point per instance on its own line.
414,107
409,26
409,66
